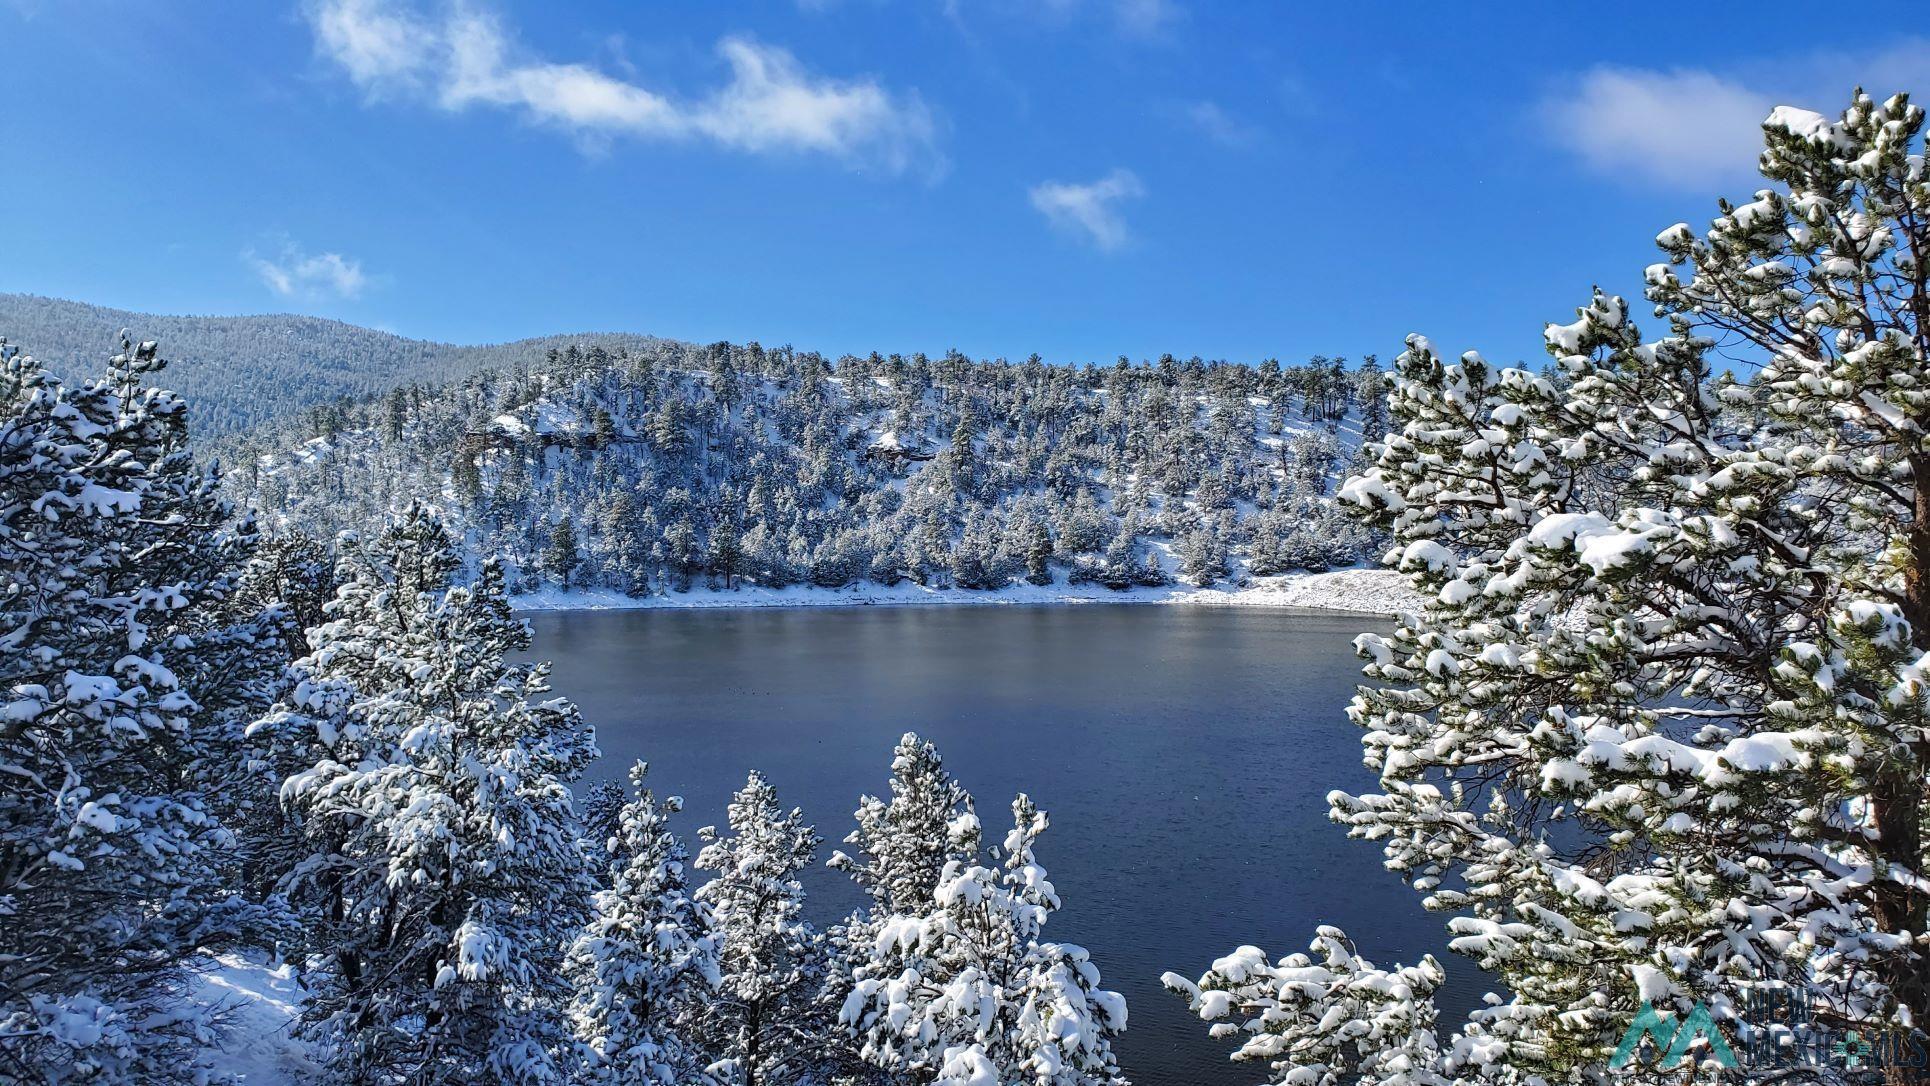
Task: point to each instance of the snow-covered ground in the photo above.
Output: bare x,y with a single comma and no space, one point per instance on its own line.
254,1004
1352,591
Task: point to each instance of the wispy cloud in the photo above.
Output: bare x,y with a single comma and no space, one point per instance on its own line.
1297,96
1683,128
1129,18
1694,128
1215,123
1090,211
462,57
293,273
1145,18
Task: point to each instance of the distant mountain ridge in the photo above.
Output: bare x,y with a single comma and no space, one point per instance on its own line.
240,372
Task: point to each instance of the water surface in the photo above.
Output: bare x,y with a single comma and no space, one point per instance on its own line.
1183,753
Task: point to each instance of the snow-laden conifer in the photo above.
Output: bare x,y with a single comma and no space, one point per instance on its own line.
903,843
125,671
961,989
1661,733
295,572
900,849
645,967
765,1024
443,861
1338,1019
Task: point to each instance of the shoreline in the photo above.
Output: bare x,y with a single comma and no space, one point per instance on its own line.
1379,593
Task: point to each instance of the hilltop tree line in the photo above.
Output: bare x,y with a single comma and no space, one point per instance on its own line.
659,470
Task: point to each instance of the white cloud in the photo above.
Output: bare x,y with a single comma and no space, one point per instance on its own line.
294,273
380,47
1216,124
1090,211
466,58
1684,128
1692,128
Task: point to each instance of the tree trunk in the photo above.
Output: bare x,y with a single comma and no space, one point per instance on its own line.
1897,792
753,1043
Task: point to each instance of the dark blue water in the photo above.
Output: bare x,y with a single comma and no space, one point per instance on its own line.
1184,755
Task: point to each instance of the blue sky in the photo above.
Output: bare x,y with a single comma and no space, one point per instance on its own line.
1079,178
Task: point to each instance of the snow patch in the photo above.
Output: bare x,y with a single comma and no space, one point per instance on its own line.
256,1004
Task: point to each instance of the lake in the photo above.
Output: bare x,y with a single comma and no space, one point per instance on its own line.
1183,753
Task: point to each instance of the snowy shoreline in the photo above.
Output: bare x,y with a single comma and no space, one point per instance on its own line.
1376,592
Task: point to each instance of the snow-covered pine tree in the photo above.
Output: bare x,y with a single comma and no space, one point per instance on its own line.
192,553
124,663
904,844
1660,732
1202,553
902,847
765,1025
1150,573
600,812
443,861
962,990
645,966
1337,1020
1370,399
561,557
295,571
285,585
975,561
1035,546
1122,561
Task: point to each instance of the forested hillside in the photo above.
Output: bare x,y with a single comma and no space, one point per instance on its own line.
241,371
663,467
